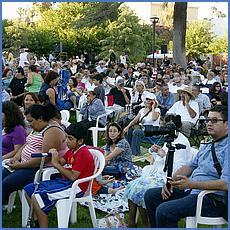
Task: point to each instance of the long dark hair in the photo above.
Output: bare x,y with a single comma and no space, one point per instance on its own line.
121,136
13,114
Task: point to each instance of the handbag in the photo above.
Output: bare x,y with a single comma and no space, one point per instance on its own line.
112,221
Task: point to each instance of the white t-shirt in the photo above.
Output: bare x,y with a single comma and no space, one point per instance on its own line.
173,88
179,109
181,157
148,120
23,59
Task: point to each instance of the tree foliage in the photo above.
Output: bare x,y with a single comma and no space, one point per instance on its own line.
219,45
96,27
126,34
198,38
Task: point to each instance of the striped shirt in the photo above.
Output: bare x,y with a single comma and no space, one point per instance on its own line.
33,145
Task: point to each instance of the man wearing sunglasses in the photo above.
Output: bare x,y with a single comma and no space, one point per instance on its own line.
165,207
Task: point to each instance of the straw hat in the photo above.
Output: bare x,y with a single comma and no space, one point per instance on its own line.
187,90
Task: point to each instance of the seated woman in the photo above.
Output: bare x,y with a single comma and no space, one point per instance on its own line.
73,95
34,80
13,132
154,176
150,115
46,134
214,93
118,156
138,97
47,91
90,111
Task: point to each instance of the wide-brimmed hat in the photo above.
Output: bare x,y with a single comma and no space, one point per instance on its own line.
150,96
187,90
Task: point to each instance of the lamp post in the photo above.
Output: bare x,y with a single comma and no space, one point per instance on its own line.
154,20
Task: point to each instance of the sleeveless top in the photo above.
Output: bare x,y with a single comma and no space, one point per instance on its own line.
42,96
34,144
36,84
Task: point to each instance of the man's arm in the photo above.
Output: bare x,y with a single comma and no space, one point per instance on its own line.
184,170
183,182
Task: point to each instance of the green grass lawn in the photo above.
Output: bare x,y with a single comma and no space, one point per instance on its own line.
13,220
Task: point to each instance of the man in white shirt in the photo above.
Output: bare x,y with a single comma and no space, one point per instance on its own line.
101,67
187,108
176,85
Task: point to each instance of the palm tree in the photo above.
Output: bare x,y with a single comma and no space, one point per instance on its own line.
179,33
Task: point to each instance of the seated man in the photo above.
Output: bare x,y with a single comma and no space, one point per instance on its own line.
165,99
202,100
121,97
187,108
165,207
80,165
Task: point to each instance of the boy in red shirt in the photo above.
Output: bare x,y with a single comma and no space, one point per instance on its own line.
78,163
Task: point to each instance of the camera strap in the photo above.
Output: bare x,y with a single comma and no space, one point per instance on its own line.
216,164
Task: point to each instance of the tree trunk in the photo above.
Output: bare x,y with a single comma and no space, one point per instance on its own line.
179,33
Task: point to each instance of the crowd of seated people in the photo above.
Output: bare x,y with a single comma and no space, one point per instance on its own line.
174,95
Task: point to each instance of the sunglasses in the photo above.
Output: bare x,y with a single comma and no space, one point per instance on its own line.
213,120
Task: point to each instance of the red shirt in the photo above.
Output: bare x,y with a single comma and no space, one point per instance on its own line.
81,161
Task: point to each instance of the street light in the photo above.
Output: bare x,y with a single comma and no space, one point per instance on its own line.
154,20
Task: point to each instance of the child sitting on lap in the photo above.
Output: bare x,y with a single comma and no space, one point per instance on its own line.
80,164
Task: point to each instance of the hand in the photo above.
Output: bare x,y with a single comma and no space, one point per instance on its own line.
123,90
125,130
181,182
55,157
165,193
186,99
13,160
15,165
153,105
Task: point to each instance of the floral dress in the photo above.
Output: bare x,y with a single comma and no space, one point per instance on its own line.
123,160
153,176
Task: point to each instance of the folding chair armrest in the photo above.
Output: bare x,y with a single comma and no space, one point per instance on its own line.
200,201
107,112
48,172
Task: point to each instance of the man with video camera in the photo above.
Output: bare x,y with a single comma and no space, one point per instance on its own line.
165,207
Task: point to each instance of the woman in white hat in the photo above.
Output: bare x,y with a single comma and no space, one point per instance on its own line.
150,115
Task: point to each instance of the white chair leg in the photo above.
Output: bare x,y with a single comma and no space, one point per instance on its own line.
20,194
63,213
73,213
92,214
25,209
137,215
11,202
95,137
191,222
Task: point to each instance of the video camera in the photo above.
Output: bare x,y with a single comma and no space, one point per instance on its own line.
169,131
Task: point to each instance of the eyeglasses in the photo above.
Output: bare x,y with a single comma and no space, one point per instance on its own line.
213,120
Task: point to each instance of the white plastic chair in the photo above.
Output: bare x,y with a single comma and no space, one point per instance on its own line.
97,129
11,200
67,208
193,221
65,115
